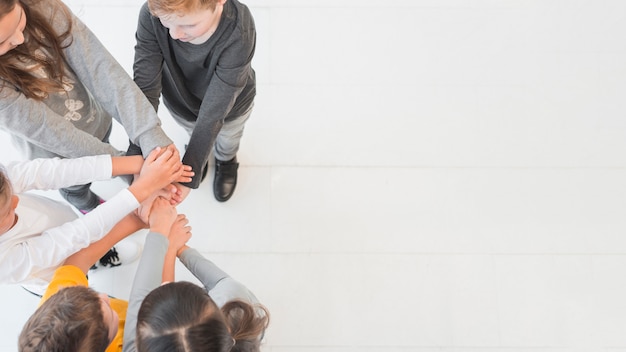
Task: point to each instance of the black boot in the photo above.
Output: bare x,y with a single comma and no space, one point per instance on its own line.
225,179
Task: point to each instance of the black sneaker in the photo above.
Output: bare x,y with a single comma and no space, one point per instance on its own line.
110,259
124,252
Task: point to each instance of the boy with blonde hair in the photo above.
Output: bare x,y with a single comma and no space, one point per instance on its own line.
197,54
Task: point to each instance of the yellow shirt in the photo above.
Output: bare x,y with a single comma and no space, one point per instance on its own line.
69,275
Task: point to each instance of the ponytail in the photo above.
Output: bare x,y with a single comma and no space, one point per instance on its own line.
247,324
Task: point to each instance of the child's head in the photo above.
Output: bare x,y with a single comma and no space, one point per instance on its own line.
12,24
24,30
8,203
192,21
74,319
181,316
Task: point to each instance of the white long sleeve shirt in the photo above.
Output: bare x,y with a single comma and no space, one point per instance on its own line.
48,231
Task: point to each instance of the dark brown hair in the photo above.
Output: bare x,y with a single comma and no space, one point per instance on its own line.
70,320
38,34
181,316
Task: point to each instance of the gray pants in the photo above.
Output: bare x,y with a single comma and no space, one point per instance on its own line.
229,137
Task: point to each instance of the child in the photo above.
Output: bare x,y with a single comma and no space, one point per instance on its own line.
37,234
73,317
60,89
198,54
181,316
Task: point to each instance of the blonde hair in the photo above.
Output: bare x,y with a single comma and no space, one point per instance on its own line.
6,190
39,35
165,7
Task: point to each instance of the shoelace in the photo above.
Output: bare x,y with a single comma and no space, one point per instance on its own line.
111,258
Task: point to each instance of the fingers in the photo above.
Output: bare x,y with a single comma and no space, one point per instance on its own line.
153,154
162,210
180,232
186,174
182,219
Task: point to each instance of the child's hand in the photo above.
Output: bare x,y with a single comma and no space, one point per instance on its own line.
143,212
162,166
162,216
186,175
181,193
180,233
159,169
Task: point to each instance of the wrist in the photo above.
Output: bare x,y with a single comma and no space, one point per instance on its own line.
161,230
126,165
181,250
140,191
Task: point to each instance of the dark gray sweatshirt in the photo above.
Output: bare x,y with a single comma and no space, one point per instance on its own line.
202,85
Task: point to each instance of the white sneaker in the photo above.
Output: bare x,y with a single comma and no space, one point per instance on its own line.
124,252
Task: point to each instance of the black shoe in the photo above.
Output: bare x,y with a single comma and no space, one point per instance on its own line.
110,259
225,179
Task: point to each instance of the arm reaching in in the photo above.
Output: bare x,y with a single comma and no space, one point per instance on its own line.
178,237
86,257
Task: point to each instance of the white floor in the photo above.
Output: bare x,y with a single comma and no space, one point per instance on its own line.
418,175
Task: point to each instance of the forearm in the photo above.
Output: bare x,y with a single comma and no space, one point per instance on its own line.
56,244
54,173
126,165
86,257
169,266
147,278
198,151
203,269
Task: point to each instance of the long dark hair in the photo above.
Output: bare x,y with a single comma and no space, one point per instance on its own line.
180,316
38,34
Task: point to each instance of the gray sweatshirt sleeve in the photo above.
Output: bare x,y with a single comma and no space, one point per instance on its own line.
35,123
229,80
148,64
220,286
147,278
113,88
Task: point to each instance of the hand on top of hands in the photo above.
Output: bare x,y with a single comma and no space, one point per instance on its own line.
160,169
168,193
180,233
181,193
162,216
